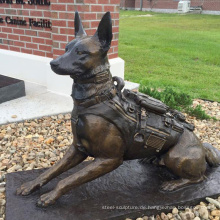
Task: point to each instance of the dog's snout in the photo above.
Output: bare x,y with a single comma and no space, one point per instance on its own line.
54,63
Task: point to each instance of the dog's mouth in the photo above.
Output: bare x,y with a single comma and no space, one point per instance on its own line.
56,68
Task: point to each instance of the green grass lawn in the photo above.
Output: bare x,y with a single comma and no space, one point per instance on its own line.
180,51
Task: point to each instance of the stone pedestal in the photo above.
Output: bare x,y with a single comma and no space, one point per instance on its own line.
130,191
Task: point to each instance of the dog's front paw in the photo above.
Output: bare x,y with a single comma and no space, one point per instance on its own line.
27,188
47,199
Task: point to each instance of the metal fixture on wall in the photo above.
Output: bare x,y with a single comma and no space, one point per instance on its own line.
141,5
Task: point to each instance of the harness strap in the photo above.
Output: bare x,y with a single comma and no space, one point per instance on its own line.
97,99
97,79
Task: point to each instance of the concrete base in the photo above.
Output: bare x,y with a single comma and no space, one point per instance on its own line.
38,102
171,10
36,69
10,88
131,191
158,10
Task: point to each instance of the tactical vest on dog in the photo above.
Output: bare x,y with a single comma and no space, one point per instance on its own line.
142,120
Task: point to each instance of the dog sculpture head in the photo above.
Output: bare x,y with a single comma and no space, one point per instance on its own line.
85,56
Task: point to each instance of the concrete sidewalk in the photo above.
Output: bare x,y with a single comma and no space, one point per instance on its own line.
39,102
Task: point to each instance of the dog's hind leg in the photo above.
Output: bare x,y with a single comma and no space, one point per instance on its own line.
187,160
72,158
92,171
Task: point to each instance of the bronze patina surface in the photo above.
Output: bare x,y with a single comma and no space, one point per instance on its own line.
129,191
113,126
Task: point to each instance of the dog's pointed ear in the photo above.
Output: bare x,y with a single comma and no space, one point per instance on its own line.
104,32
79,30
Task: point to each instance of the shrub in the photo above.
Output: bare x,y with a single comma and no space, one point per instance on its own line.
176,100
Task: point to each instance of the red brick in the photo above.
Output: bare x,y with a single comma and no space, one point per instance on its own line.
5,47
57,52
103,1
56,45
9,42
90,16
59,23
45,48
17,49
62,46
94,24
116,2
19,44
24,50
111,50
58,7
115,49
50,55
70,24
47,14
112,56
30,32
70,38
58,37
67,31
67,1
109,8
23,12
80,8
90,1
31,46
39,53
13,37
86,24
25,38
114,43
48,42
18,31
65,15
2,35
27,6
115,29
7,30
36,13
54,14
43,7
55,30
97,8
44,34
115,15
38,40
9,11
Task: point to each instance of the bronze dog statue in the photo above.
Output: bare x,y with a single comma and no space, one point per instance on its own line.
113,126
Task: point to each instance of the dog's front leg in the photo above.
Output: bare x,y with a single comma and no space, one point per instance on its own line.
72,157
92,171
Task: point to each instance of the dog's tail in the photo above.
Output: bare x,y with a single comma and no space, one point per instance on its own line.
212,155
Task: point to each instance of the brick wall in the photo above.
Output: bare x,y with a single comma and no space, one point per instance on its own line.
50,42
127,4
211,5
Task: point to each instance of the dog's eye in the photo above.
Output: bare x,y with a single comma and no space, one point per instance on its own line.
79,52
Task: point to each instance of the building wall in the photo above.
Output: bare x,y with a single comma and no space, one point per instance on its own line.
50,42
127,4
209,5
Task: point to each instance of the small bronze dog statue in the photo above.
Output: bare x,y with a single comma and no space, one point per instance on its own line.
113,126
